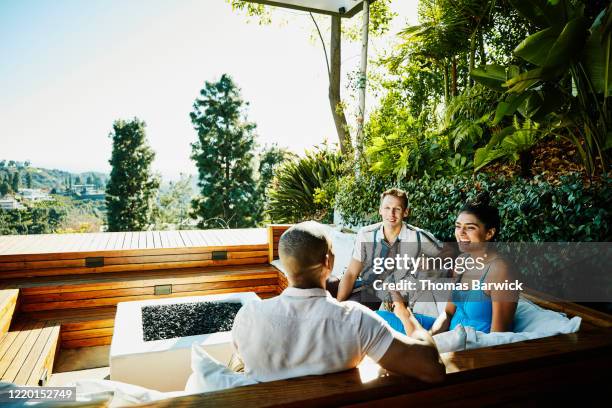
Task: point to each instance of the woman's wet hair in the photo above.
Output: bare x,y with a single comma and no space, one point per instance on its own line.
481,208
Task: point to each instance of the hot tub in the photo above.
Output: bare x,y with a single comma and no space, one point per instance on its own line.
163,365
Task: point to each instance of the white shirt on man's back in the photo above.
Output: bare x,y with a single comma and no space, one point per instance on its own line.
305,332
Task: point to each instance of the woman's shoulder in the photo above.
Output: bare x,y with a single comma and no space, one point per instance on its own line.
500,268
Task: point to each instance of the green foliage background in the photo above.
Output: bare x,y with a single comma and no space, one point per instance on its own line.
531,210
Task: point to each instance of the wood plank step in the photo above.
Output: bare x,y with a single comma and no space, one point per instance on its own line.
29,351
73,283
8,301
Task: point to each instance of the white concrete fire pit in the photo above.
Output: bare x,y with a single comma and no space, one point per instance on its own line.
163,365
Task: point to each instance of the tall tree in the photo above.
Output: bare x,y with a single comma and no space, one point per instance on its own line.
132,186
28,178
4,188
16,182
223,155
89,179
77,180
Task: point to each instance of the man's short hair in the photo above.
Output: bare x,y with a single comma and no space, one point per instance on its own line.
396,192
302,249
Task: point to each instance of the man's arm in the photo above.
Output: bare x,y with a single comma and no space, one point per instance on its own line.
348,279
415,354
414,357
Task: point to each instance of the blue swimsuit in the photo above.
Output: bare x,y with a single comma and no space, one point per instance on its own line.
474,309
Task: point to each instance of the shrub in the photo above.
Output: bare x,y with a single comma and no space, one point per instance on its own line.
304,188
531,210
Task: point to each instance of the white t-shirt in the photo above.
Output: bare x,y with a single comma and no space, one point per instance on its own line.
305,332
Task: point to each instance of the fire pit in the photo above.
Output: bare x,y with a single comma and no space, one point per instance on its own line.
152,339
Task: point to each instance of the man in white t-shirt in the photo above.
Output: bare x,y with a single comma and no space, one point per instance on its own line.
305,331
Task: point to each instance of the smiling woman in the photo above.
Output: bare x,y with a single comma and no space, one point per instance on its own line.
487,304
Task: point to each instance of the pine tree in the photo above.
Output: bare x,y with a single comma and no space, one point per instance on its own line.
223,156
132,187
16,182
29,179
4,188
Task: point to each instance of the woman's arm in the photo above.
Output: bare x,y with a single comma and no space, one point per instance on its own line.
442,323
503,301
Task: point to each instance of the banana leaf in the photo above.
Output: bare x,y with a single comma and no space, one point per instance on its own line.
540,12
536,47
509,106
492,76
596,57
571,39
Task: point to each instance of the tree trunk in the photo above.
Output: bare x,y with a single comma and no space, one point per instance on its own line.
454,77
483,56
526,158
472,57
446,85
334,88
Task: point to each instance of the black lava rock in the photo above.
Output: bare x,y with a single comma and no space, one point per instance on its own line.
187,319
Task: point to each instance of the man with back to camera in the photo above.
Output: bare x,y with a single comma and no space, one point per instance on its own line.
305,331
385,239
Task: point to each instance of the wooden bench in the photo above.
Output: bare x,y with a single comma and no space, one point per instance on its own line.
85,305
27,352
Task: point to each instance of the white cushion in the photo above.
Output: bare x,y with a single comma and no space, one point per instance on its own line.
210,375
342,244
530,317
530,322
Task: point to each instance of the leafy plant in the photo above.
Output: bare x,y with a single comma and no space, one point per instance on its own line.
300,188
514,143
568,77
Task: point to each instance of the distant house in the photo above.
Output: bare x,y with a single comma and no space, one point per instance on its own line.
87,191
9,203
34,194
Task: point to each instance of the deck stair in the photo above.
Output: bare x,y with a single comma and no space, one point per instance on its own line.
27,352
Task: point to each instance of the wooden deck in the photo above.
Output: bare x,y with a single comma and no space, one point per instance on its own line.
67,254
15,247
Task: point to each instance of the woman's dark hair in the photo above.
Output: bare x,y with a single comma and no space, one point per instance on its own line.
484,211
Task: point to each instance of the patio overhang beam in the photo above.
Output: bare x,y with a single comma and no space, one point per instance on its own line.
340,8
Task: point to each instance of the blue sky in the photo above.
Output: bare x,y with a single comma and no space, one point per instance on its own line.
69,68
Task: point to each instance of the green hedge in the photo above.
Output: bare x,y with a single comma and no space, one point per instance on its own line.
531,210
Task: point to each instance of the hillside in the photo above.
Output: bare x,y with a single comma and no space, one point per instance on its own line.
48,178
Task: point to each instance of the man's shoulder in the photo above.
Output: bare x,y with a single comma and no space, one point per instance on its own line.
255,308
